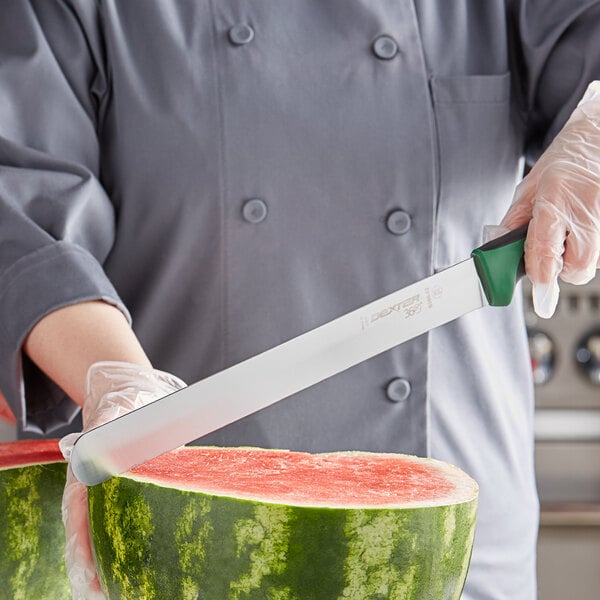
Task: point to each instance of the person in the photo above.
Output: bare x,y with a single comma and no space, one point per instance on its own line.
186,184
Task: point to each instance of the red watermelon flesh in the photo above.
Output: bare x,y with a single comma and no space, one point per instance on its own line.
340,479
29,452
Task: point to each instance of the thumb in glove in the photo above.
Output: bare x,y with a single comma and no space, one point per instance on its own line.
560,198
113,389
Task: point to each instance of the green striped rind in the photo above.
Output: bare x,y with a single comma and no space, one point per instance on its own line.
157,542
32,539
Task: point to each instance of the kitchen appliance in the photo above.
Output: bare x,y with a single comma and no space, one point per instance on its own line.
565,352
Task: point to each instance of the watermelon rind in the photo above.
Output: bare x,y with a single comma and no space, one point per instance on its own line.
32,539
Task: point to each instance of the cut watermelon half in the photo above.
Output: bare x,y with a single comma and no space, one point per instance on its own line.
239,523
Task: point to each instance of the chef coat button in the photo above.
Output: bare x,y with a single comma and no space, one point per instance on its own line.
385,47
241,34
254,210
398,390
398,222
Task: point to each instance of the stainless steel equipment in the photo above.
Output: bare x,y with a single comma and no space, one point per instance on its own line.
565,352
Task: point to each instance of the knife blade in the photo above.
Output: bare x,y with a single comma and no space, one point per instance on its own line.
488,277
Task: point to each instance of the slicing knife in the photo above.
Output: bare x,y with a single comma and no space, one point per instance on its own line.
488,277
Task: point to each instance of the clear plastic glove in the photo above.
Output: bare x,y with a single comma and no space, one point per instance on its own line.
113,389
561,199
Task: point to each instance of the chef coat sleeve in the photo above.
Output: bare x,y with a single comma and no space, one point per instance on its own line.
555,48
56,222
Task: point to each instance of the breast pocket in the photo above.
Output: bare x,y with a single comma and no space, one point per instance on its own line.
478,160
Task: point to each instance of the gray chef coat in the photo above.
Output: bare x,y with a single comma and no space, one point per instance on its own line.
233,173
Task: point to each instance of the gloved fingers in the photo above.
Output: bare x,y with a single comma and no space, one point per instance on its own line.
558,246
568,206
545,298
581,258
107,376
115,388
521,209
66,444
582,246
79,558
544,249
545,244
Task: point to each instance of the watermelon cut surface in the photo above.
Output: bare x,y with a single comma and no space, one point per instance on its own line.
32,539
247,523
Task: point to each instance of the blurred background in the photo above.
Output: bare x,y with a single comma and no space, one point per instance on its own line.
565,358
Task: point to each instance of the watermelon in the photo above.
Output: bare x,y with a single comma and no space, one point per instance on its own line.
32,538
249,523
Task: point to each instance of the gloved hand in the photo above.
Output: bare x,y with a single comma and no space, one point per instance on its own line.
113,389
561,198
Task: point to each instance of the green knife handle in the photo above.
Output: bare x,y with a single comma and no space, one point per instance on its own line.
500,265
